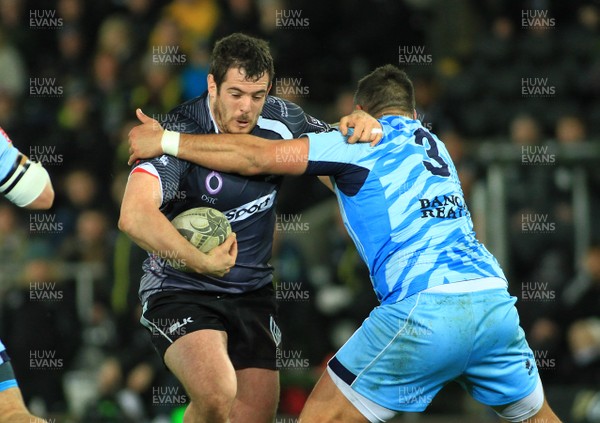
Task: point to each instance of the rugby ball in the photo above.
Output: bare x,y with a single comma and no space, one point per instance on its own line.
205,227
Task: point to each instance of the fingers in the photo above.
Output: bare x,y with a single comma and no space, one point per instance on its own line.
376,136
227,244
230,245
142,116
233,251
358,134
344,125
132,158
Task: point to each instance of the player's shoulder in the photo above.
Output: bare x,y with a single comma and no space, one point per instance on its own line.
194,110
279,108
161,163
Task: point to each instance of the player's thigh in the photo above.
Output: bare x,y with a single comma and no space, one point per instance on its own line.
326,403
502,368
395,358
257,396
200,361
531,409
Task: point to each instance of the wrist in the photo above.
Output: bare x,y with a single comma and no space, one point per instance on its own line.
170,142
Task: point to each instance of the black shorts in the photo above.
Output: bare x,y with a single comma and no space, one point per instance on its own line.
249,319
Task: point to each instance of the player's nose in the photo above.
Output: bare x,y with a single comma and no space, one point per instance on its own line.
245,104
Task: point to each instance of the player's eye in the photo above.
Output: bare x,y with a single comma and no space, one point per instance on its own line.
258,97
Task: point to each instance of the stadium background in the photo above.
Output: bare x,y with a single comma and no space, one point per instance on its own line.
511,87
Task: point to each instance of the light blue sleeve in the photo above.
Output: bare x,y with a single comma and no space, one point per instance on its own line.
8,154
329,153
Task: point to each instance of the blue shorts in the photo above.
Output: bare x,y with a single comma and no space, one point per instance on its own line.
404,353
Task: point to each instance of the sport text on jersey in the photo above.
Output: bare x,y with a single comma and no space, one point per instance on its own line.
257,206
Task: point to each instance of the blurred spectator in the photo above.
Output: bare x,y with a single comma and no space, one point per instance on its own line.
78,192
159,90
44,340
193,77
109,91
12,68
195,18
239,16
90,242
80,136
142,14
14,25
13,242
570,330
115,37
72,60
570,129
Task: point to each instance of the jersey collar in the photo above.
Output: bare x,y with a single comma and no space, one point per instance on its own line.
212,118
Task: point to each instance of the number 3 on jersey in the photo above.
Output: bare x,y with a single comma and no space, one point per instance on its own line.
433,153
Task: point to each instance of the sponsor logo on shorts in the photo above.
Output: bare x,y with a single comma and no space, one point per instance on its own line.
177,325
259,205
275,331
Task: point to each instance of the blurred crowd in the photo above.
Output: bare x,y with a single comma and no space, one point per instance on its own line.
72,73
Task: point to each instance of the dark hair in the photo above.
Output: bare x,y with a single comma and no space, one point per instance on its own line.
241,51
387,87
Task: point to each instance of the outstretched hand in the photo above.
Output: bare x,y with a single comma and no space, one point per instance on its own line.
145,138
366,128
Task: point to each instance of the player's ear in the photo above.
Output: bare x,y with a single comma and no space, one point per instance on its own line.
212,85
415,114
358,107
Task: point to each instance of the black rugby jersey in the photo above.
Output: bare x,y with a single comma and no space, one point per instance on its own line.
248,202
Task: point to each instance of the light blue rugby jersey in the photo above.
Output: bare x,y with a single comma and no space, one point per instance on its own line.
8,154
403,206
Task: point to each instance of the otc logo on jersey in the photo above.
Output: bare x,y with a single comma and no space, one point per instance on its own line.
209,183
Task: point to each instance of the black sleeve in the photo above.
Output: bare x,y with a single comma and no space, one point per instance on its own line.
179,120
293,117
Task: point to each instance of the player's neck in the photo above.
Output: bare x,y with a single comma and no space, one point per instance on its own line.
392,112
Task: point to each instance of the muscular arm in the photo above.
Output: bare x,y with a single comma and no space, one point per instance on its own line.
142,220
246,154
146,141
44,200
234,153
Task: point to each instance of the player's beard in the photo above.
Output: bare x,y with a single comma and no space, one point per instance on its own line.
228,124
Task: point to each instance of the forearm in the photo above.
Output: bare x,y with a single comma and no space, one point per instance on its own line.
235,153
153,232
